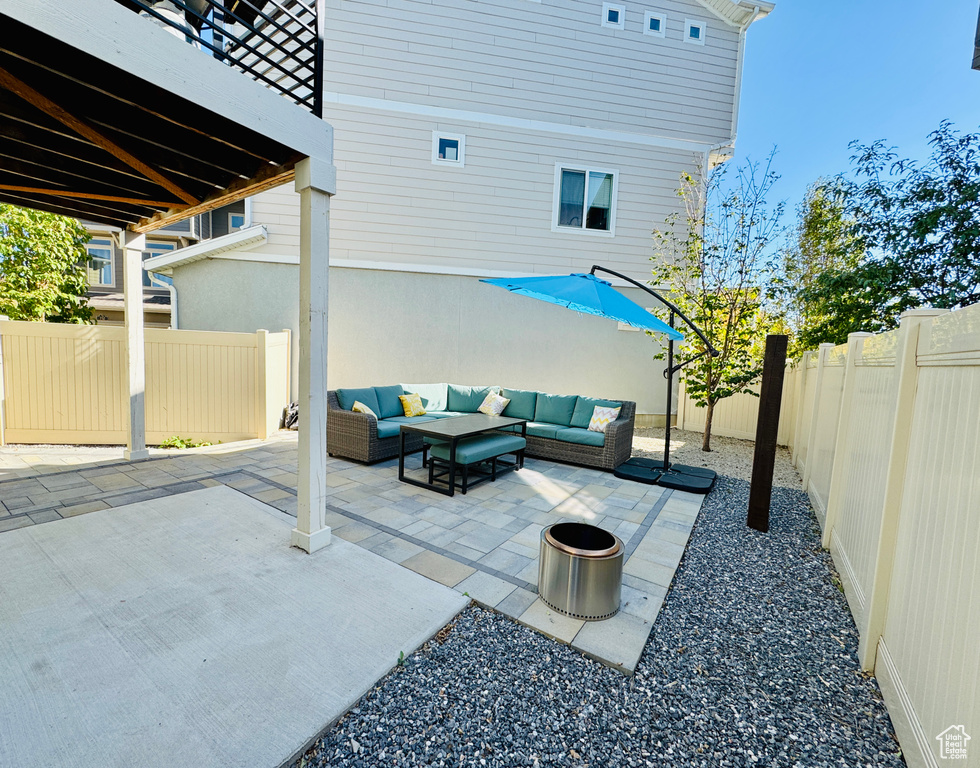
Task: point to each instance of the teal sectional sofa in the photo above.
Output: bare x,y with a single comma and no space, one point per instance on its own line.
556,429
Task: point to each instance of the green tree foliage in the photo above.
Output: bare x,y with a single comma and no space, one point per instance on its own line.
42,266
716,268
898,235
822,288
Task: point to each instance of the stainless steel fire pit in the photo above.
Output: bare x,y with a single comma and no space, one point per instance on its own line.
580,571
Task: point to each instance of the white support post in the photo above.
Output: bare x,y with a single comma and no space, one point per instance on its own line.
3,423
907,372
855,344
822,351
800,390
133,246
315,182
262,393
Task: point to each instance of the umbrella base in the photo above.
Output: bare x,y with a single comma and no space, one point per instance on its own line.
678,477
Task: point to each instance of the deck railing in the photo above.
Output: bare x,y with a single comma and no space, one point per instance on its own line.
279,43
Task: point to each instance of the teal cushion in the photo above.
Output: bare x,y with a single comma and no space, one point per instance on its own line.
388,428
346,398
555,409
409,419
538,429
480,447
581,436
446,414
433,395
389,402
521,405
582,414
467,399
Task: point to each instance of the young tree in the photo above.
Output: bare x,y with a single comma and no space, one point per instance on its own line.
716,268
42,266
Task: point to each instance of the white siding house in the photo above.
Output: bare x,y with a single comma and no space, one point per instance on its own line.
467,134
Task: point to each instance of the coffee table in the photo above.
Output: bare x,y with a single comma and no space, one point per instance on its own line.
451,430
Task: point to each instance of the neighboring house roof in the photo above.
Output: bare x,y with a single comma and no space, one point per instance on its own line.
207,249
116,301
738,13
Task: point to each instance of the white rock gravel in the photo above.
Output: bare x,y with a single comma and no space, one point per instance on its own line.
752,661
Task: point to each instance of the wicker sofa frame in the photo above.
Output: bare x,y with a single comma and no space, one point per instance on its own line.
355,436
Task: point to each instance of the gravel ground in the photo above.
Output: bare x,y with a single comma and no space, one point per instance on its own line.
752,661
728,456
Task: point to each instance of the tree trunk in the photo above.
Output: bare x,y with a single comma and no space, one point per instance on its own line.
706,440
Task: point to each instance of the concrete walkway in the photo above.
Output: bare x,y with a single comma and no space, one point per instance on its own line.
184,631
483,544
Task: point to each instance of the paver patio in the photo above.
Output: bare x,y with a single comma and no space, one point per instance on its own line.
483,544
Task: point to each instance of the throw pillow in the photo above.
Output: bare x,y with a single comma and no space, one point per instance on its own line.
412,404
493,404
602,418
359,407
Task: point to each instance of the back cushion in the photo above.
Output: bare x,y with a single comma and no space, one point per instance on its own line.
366,395
522,403
433,395
389,402
467,399
582,414
555,409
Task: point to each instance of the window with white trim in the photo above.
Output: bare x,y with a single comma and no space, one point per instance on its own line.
694,31
448,148
654,23
99,266
157,248
235,221
614,15
585,200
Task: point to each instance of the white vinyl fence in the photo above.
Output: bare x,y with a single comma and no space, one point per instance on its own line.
886,436
67,384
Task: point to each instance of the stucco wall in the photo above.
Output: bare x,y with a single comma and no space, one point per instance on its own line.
388,327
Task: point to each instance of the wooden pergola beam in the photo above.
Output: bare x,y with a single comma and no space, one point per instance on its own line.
92,196
42,102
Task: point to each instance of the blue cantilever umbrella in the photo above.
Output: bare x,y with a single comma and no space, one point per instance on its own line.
595,296
589,294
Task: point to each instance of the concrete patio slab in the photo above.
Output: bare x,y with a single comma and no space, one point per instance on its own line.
182,631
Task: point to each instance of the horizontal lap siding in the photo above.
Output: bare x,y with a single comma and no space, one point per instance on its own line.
541,61
495,213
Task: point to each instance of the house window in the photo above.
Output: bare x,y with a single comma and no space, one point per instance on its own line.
156,248
585,200
99,264
448,148
613,15
694,32
654,23
235,221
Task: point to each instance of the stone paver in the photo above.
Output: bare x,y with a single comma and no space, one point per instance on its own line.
484,543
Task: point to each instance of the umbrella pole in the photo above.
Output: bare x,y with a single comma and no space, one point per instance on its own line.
669,373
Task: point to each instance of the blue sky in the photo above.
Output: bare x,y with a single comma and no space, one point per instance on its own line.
820,74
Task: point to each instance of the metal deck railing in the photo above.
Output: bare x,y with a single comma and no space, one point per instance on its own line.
279,43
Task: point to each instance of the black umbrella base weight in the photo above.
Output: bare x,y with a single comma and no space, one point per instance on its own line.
678,477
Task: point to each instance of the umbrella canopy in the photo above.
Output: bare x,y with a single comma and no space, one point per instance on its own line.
589,294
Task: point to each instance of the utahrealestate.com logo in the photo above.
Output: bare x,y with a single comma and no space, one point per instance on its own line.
952,743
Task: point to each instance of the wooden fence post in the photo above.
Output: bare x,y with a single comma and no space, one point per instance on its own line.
764,461
906,369
855,343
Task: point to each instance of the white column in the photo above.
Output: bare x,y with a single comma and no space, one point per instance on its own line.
133,246
315,182
822,352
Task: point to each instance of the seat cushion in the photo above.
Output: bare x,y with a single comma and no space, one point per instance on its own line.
480,448
584,407
433,395
389,402
445,414
522,402
555,409
467,399
581,436
542,429
367,395
388,428
409,419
